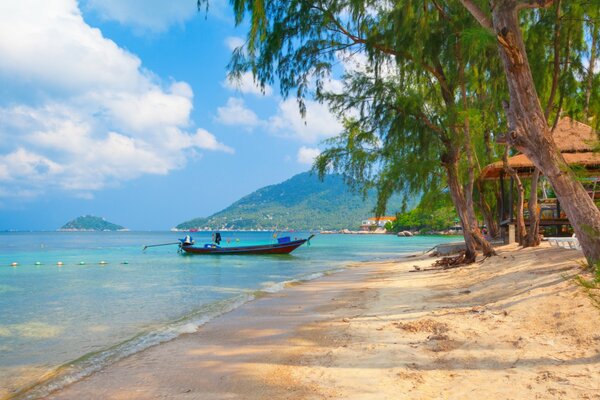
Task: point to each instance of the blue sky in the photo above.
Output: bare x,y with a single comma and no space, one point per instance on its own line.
122,109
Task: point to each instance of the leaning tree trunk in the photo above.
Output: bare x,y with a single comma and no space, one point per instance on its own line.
482,242
530,133
450,164
533,236
474,240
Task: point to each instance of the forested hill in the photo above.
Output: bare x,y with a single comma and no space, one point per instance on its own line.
90,223
302,203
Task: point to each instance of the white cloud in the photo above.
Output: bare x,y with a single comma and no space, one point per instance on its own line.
80,113
235,112
207,140
144,15
233,42
246,84
307,155
318,124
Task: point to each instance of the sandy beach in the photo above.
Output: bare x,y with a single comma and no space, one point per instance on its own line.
516,326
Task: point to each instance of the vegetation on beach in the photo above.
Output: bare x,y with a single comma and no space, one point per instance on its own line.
440,81
433,213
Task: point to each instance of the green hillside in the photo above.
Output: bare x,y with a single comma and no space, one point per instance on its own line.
302,202
90,223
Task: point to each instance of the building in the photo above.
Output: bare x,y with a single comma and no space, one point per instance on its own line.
374,223
577,143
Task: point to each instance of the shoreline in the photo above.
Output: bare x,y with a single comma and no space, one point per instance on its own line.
424,333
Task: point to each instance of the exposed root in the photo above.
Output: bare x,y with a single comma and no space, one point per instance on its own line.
446,263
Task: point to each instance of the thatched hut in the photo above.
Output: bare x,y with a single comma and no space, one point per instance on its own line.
578,144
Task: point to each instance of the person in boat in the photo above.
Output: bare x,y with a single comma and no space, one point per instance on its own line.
187,241
216,238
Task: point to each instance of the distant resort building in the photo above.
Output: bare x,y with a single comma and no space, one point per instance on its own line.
374,223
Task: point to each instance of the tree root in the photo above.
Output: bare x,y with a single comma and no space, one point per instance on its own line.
445,263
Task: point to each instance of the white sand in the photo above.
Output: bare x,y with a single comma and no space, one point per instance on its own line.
516,326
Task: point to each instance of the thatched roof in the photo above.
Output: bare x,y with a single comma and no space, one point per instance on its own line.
575,140
523,164
572,136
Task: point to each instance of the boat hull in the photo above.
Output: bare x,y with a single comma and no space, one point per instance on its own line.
276,248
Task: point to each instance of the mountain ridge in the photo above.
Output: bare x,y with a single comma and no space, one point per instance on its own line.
302,202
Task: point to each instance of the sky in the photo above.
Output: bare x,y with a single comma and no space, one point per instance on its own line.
122,109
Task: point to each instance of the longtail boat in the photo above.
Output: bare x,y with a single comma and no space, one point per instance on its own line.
284,245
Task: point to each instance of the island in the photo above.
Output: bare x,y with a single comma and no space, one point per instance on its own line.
90,223
303,202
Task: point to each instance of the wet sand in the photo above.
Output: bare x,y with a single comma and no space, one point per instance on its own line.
514,326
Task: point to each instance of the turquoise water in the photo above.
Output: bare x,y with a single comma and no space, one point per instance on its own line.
83,314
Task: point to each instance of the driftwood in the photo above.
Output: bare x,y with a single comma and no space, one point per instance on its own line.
444,263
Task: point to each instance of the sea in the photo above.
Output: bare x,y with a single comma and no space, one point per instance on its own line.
78,301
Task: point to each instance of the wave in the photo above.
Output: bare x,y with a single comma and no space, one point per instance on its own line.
90,363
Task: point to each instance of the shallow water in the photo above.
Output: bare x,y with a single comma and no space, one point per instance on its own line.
84,314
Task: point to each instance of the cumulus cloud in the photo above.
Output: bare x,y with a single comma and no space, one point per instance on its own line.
78,112
318,124
307,155
246,84
235,112
207,140
144,15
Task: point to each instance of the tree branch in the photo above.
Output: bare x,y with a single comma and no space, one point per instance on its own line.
534,4
478,13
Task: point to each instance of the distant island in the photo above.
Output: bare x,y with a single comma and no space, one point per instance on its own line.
302,202
91,223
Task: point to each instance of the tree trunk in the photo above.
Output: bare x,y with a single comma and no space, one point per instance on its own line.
592,66
530,133
556,71
450,163
533,236
521,231
488,214
482,243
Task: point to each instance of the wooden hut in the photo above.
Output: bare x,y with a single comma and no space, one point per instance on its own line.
577,143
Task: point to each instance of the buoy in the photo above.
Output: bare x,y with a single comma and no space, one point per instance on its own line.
103,263
60,263
38,263
81,262
14,264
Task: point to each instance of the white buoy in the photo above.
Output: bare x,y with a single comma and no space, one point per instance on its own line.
103,263
81,262
60,263
37,263
14,264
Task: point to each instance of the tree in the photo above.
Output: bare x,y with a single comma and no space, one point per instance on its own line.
414,104
529,130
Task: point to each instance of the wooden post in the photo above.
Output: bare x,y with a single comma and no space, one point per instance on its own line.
511,234
510,199
502,197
